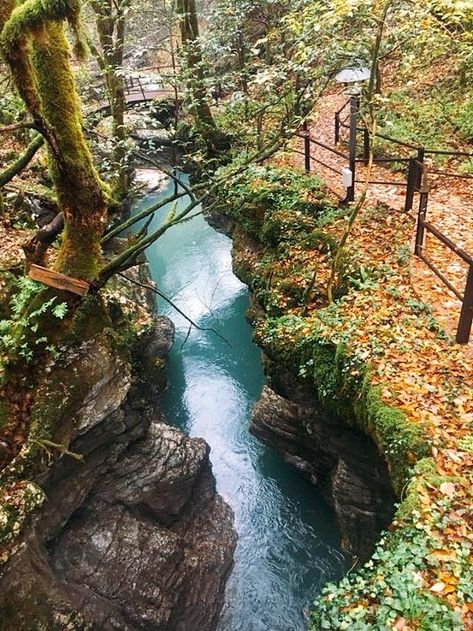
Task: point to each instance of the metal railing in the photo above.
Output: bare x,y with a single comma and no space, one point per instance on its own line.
423,228
134,85
415,183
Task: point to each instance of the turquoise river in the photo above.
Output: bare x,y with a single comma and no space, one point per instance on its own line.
288,541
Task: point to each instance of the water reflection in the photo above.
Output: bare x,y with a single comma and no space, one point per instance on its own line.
288,539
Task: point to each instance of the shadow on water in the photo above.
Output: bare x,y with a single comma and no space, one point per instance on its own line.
288,539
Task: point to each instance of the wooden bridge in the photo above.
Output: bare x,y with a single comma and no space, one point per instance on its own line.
135,92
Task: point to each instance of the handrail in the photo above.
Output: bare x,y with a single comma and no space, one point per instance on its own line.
387,183
327,166
445,152
437,272
446,241
343,107
399,142
439,152
464,176
322,144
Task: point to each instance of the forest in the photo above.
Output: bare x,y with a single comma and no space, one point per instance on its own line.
236,312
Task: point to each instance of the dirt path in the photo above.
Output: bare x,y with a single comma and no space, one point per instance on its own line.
450,209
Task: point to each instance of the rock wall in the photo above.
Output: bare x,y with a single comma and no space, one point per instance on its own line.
133,536
341,461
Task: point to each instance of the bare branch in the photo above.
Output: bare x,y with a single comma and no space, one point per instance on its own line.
174,306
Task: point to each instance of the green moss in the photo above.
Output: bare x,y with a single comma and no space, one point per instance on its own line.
90,319
342,384
18,501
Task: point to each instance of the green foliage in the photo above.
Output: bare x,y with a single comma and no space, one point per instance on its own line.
397,563
272,204
20,335
400,564
466,443
11,108
464,120
435,119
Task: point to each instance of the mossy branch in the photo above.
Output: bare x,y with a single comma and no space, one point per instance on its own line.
139,216
16,127
127,257
22,162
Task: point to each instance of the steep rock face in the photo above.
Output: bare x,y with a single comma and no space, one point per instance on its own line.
152,545
342,462
133,536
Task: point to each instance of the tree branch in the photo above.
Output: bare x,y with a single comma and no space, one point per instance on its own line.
174,306
16,127
22,162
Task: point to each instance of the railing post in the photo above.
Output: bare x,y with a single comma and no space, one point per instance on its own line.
337,128
411,180
142,89
466,315
420,233
306,146
366,146
354,109
420,165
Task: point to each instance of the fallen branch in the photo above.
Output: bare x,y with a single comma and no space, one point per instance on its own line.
61,448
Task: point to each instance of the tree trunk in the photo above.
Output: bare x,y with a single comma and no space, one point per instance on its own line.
111,32
37,51
189,29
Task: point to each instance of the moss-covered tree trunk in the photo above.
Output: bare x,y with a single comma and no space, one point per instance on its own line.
199,107
37,51
111,21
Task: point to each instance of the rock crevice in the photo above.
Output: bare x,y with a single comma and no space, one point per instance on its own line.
341,461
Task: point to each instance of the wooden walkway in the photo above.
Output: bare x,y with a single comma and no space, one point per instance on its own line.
132,98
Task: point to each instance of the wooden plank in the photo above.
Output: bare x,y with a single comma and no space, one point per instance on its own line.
58,281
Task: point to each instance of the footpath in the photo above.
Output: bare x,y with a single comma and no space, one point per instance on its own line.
450,209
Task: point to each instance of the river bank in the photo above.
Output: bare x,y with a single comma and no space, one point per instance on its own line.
376,361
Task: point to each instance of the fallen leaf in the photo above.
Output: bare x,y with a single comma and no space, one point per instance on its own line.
448,489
